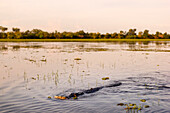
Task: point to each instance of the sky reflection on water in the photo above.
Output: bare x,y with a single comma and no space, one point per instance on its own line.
31,71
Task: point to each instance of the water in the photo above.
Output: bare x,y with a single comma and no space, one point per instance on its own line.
30,72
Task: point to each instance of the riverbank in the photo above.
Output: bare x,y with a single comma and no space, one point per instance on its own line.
79,40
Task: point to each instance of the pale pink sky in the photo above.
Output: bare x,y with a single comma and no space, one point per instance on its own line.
89,15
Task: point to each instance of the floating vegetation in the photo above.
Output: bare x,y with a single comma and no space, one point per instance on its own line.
120,104
132,104
105,78
49,97
33,78
142,100
140,108
43,60
77,58
146,106
31,60
134,107
127,108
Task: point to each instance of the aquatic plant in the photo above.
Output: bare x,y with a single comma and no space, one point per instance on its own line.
142,100
146,106
44,60
120,104
105,78
33,78
49,97
77,58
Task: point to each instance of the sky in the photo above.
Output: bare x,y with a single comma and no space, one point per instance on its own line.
88,15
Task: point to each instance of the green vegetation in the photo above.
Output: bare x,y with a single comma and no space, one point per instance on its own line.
81,40
106,78
38,34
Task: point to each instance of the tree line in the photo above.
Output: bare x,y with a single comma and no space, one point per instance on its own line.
40,34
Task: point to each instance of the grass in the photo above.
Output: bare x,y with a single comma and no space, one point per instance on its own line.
80,40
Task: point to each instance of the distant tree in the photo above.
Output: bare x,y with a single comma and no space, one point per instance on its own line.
3,29
165,36
80,34
98,35
114,35
107,36
15,29
94,35
131,34
39,34
146,34
18,35
157,33
3,34
121,35
10,35
140,34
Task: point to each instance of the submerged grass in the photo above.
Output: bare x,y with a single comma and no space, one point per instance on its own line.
80,40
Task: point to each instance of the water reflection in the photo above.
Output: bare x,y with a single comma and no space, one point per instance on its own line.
31,72
71,47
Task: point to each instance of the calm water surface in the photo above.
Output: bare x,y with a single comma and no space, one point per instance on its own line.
30,72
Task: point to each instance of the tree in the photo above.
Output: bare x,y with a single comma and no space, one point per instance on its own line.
15,29
107,36
165,36
3,29
140,34
10,35
114,35
146,33
80,34
121,32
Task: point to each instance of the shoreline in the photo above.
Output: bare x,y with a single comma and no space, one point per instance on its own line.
81,40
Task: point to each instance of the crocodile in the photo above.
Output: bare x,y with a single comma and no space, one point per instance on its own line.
88,91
